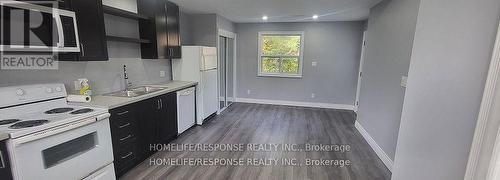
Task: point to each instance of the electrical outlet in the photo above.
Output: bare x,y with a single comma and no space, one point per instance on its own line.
249,92
313,95
404,81
162,73
314,64
78,86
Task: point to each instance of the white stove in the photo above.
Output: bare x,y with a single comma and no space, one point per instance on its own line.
23,124
49,137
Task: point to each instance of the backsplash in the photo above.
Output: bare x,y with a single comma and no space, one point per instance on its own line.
105,76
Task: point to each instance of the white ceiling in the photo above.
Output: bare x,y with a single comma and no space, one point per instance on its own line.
280,10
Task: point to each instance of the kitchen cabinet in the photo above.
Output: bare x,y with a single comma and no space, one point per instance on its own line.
91,30
149,113
159,117
167,118
124,135
162,29
5,171
138,126
173,30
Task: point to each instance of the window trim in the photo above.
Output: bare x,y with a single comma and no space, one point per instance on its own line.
260,55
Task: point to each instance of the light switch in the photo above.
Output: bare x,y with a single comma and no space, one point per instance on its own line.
404,81
162,73
314,64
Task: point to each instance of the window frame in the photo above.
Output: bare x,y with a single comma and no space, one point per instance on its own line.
300,57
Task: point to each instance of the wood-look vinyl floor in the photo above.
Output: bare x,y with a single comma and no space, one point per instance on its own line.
263,124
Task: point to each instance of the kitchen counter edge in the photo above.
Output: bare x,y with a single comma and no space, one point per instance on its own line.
111,102
3,136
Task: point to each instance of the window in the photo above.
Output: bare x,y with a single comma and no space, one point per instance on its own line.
280,54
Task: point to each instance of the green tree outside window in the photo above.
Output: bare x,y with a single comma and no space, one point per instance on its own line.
280,54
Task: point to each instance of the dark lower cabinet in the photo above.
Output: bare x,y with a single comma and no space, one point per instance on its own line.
5,171
167,120
148,125
124,135
135,128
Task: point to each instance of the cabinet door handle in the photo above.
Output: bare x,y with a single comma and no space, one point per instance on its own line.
125,138
83,49
161,104
126,156
125,125
158,104
122,113
2,162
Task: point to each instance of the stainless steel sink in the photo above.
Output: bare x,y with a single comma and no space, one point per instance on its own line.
137,91
147,89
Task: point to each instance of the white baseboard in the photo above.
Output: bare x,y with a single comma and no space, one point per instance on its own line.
378,150
297,103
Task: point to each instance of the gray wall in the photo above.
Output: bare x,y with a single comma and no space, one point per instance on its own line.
105,76
450,60
225,24
336,46
186,29
204,29
391,27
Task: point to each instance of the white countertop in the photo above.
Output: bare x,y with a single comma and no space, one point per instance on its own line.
111,102
3,136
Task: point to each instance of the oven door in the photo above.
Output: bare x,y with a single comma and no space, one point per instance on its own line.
72,154
27,27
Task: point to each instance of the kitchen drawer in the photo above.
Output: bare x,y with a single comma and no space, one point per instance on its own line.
124,128
126,154
125,158
123,141
121,116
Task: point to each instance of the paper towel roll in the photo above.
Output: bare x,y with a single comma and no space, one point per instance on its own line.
78,98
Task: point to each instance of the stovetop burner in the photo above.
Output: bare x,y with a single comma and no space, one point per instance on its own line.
30,123
82,111
8,121
58,110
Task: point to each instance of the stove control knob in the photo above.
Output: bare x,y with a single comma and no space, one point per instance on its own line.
20,92
58,89
48,90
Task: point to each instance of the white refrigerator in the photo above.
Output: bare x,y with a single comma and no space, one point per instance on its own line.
199,64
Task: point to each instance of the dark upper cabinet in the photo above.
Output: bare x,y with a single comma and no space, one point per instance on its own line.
91,30
173,30
162,29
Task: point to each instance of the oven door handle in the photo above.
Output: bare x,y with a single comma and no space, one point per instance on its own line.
58,129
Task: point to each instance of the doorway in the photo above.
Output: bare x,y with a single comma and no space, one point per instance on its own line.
226,69
360,74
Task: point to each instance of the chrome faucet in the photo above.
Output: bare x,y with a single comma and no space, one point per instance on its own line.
128,84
